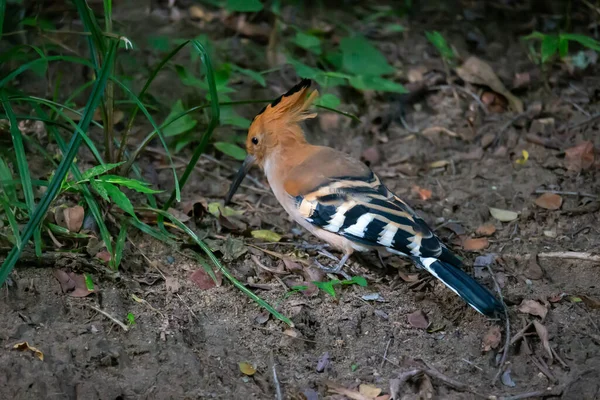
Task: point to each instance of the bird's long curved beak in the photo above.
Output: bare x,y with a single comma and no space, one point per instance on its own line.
239,177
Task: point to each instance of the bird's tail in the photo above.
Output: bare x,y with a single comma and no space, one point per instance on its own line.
477,296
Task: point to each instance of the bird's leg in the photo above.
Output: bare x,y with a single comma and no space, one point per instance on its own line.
338,268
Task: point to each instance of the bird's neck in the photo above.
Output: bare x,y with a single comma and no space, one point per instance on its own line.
290,151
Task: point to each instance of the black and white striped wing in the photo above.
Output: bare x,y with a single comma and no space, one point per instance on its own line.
364,211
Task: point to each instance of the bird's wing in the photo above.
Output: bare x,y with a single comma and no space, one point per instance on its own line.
341,195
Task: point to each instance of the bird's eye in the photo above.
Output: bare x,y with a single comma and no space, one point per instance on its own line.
255,140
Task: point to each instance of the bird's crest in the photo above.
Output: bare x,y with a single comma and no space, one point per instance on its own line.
291,107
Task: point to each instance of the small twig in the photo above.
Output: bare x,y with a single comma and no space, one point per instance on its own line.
521,333
278,392
107,315
387,346
465,91
472,364
570,255
580,194
589,120
270,270
556,391
543,368
507,329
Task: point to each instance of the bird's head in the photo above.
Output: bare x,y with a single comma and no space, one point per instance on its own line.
276,125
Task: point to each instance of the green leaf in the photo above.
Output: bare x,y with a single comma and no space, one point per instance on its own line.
89,283
583,40
252,74
244,5
267,235
230,117
308,42
130,319
376,83
159,43
440,44
360,57
359,280
99,170
118,197
328,100
174,127
563,46
327,287
394,28
231,150
549,47
303,70
138,186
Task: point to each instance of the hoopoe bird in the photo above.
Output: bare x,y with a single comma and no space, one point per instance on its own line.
342,201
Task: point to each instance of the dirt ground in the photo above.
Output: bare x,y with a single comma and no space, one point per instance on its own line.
188,343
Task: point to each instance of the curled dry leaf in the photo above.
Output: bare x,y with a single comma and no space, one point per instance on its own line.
533,269
475,244
74,218
580,157
506,379
486,230
81,287
67,283
247,368
492,338
503,215
104,255
418,319
348,393
291,332
534,308
22,346
479,72
408,277
323,362
589,301
543,335
549,201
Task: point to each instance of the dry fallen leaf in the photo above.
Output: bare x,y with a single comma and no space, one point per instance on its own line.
369,391
74,218
580,157
475,244
486,230
590,301
418,319
534,308
543,335
549,201
351,394
172,284
22,346
503,215
533,269
81,288
408,277
479,72
67,283
247,368
492,338
267,235
291,332
104,255
201,278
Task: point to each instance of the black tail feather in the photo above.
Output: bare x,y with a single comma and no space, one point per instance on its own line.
477,296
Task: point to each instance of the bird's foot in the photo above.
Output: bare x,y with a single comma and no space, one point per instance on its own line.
337,269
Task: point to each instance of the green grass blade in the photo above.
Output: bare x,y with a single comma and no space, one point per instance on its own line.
12,221
221,268
5,178
22,165
158,132
57,108
120,245
91,25
34,63
212,125
61,172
